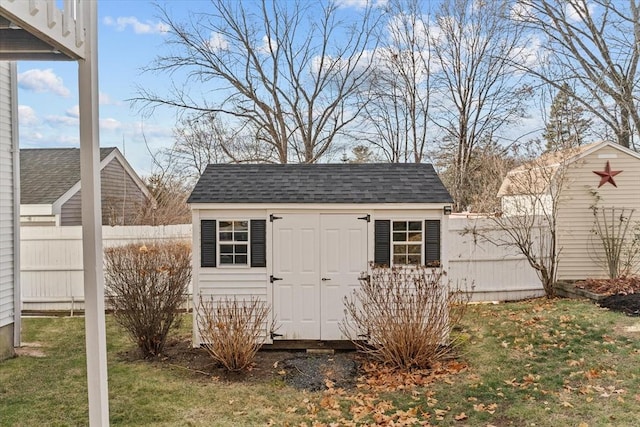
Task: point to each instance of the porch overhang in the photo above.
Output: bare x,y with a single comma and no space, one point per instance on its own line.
39,30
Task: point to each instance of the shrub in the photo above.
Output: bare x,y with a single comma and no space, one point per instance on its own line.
403,316
233,331
145,287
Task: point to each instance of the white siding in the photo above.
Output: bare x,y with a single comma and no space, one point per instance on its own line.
6,197
579,247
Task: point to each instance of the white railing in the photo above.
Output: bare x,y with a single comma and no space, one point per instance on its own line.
64,28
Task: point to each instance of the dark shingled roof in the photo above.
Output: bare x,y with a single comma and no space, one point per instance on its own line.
47,173
320,183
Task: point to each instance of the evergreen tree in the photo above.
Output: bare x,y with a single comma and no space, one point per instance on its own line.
567,126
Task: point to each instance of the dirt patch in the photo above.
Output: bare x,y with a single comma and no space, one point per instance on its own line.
312,372
30,349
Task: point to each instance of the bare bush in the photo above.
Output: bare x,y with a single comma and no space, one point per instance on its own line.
233,331
619,240
403,316
145,287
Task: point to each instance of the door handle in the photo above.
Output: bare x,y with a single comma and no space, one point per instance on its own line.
324,279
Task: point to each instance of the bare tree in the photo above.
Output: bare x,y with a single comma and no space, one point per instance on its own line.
593,48
397,96
531,195
199,142
286,71
478,88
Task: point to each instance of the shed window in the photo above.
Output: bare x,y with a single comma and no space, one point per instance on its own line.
233,240
407,242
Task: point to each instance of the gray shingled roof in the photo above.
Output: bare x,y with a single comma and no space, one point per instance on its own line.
320,183
47,173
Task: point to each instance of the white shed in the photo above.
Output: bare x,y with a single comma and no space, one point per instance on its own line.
299,236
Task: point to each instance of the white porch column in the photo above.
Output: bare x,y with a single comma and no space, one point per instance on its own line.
96,343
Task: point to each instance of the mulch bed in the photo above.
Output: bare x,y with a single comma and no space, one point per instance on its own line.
623,293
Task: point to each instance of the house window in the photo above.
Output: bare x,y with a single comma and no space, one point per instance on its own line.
407,242
233,239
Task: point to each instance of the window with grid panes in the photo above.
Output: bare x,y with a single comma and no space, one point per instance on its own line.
233,239
407,242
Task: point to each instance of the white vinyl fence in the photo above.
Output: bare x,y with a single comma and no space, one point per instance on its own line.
495,272
51,275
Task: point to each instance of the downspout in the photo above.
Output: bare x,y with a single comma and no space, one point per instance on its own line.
15,148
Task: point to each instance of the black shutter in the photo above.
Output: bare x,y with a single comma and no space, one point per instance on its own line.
208,243
258,243
382,246
432,242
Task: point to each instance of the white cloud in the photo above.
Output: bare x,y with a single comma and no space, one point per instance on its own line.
27,115
217,42
55,120
575,14
73,112
360,4
110,124
105,99
268,45
121,23
39,81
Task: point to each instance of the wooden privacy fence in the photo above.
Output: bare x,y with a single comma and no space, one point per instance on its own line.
496,273
51,275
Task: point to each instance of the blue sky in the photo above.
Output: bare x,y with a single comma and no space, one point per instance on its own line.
129,37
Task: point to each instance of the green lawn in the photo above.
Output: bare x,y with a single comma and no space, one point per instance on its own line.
543,363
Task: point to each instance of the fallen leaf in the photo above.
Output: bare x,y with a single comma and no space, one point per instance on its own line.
461,417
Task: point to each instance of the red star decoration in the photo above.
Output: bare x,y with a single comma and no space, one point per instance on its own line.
607,175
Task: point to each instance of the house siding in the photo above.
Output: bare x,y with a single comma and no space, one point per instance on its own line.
7,211
121,198
581,253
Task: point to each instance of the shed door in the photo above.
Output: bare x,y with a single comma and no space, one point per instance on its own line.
318,259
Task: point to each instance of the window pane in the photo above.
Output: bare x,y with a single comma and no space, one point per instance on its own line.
241,225
415,225
241,259
226,249
399,225
226,226
399,259
241,249
399,249
226,259
226,237
400,237
414,259
414,249
415,237
242,236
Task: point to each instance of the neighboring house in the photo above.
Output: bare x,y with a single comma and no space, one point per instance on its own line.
50,188
9,229
300,236
603,174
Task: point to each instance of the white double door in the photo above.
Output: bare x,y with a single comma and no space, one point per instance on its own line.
317,260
